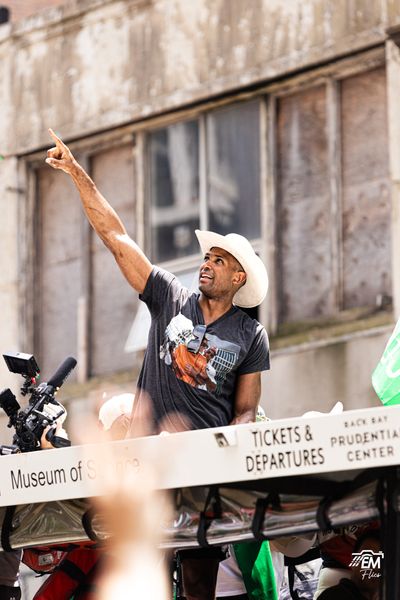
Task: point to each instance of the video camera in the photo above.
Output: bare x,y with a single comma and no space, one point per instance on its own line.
43,409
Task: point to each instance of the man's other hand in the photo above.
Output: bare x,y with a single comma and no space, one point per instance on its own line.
46,444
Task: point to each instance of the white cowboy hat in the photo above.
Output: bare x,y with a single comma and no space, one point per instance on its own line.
253,292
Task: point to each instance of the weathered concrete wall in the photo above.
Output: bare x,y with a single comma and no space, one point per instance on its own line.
8,279
19,9
96,64
317,378
9,253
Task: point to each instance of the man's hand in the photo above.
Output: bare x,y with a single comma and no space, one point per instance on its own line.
60,157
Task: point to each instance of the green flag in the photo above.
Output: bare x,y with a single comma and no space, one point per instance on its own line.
255,562
386,377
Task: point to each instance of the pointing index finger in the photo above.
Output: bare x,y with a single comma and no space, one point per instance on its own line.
59,143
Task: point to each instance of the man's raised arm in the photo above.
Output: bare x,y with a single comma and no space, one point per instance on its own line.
133,263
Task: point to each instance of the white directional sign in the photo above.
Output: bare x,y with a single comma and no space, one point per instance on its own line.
352,440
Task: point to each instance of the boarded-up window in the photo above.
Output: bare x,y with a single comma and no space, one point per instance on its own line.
113,300
303,211
366,189
334,252
70,269
60,248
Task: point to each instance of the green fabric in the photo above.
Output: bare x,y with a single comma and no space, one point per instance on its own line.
386,377
255,562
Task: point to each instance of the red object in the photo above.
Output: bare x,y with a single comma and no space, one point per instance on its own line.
75,576
339,547
43,560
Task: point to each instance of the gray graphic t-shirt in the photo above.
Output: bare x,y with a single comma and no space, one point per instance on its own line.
190,370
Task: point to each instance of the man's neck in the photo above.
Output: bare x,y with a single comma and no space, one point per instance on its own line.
213,308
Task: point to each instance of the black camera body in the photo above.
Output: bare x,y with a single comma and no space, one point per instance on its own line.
43,409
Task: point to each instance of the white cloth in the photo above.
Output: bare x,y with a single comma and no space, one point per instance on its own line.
293,546
330,577
229,580
278,560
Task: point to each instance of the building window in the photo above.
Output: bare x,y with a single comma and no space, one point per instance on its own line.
174,190
83,299
233,170
304,221
59,270
220,191
113,303
366,190
333,198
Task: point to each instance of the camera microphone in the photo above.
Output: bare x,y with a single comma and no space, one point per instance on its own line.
62,372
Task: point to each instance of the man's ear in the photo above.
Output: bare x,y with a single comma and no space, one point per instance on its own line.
239,278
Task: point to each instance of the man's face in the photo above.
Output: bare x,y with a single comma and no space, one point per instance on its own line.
220,274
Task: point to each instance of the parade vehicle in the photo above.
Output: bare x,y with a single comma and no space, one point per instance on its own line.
263,480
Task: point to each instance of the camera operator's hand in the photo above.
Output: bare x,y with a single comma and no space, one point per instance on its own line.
60,157
45,444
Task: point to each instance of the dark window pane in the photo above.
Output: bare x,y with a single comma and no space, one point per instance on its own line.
233,146
174,190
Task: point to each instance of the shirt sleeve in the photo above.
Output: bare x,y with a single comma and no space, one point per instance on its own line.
257,358
161,288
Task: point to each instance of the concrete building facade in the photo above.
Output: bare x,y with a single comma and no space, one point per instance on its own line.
279,120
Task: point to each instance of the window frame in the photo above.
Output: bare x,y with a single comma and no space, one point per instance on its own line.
183,264
329,76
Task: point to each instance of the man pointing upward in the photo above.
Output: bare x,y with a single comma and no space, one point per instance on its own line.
204,356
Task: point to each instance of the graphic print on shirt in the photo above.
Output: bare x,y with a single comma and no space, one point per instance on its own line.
201,360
